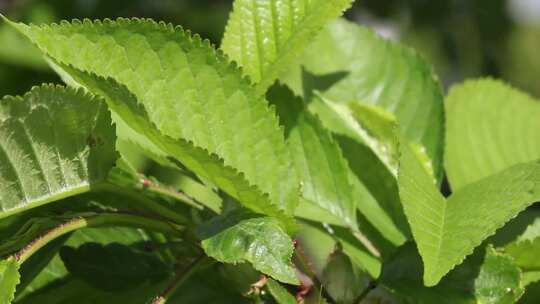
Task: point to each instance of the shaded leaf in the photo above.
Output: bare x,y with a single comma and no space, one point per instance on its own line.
487,276
113,266
342,280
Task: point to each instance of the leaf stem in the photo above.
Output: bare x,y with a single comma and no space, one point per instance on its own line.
179,279
146,203
307,266
95,220
151,186
372,285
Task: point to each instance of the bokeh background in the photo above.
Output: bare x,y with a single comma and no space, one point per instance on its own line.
461,38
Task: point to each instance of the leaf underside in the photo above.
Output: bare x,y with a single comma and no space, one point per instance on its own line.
55,142
264,37
447,230
490,126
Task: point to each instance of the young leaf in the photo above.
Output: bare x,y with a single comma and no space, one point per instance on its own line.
349,63
54,143
487,276
190,91
9,278
264,37
447,230
239,237
490,127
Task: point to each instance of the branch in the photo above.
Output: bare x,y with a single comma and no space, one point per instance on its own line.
154,187
178,280
145,203
372,285
95,220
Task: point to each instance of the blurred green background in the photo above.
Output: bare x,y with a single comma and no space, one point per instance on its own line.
461,38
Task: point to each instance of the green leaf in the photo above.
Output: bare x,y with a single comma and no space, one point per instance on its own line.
113,266
348,63
206,165
487,276
72,290
240,236
18,50
381,207
264,37
323,172
525,250
54,143
322,169
447,230
490,127
56,271
342,280
9,278
190,91
280,294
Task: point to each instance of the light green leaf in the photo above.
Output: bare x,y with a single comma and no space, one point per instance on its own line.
239,237
322,169
264,37
447,230
280,294
490,127
18,50
525,253
487,276
190,91
364,131
9,278
206,165
54,143
348,63
326,192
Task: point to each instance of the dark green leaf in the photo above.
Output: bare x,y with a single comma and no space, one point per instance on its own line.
240,236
